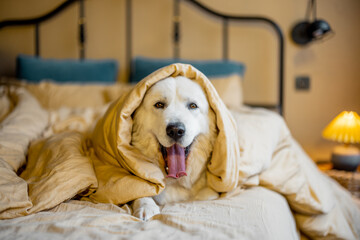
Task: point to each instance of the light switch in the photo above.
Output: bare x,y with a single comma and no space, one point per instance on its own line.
302,83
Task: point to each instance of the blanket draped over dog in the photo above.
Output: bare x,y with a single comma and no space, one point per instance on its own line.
253,147
135,176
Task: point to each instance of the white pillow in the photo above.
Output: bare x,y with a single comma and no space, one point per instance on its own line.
229,89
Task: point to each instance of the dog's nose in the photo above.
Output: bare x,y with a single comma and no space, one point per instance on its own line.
175,130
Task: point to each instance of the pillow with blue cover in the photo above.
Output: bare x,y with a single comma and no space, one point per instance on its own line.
35,69
142,66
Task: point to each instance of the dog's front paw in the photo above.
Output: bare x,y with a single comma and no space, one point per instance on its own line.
145,208
206,194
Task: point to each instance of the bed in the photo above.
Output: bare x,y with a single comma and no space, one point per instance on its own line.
56,184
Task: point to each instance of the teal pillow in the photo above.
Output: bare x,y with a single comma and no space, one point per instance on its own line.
34,69
142,67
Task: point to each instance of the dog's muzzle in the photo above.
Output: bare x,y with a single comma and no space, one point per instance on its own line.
175,155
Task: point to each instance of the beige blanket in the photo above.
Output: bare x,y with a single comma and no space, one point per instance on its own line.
20,126
112,138
254,147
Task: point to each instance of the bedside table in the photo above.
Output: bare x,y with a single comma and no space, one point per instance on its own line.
349,180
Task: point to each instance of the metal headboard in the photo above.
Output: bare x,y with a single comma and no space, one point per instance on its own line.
226,19
37,20
225,39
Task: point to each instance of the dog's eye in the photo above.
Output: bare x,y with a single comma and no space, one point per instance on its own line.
159,105
193,106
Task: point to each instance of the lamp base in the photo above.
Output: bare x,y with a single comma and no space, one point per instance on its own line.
345,162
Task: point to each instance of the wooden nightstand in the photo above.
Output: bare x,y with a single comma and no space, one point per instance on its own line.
349,180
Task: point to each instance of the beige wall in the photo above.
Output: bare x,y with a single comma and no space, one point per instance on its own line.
332,65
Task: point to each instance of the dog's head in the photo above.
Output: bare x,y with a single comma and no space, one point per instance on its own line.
173,114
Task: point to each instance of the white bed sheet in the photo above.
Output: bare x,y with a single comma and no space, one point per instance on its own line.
255,213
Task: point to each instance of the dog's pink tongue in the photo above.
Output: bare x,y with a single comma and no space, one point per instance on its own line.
176,161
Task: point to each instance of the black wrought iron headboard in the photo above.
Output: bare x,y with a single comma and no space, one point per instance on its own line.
37,20
226,19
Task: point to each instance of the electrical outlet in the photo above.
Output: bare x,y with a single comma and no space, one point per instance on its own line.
302,83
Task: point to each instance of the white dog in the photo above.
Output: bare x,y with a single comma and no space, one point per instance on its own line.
175,127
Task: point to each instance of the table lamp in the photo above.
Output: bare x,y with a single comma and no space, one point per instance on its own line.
345,128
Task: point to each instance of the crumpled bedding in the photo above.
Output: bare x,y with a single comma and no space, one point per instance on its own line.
65,166
21,125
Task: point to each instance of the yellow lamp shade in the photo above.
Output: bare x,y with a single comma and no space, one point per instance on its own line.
345,128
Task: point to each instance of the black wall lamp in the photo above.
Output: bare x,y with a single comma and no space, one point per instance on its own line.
307,31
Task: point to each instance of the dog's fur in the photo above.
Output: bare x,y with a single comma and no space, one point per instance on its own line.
171,101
